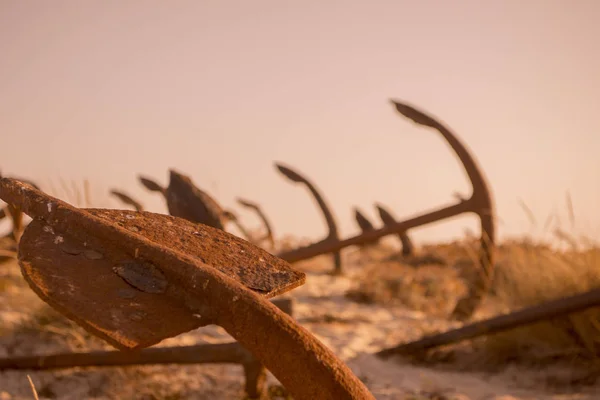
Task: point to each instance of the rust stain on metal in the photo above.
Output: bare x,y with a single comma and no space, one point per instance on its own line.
71,248
142,275
91,254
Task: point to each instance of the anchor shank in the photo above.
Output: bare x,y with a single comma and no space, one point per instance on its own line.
324,247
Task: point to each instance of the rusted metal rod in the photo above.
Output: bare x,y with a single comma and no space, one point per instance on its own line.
231,353
7,254
233,218
317,249
305,366
223,353
263,218
525,316
332,235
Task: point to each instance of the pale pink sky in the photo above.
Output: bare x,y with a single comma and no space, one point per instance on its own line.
105,90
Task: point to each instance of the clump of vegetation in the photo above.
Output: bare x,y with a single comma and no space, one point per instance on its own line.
531,274
430,289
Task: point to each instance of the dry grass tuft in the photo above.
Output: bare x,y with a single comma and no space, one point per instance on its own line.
531,274
431,288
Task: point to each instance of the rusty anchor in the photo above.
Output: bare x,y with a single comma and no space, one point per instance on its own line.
88,263
263,217
186,200
332,236
480,203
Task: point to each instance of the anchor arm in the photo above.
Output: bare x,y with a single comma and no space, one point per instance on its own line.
481,201
231,216
327,214
363,222
263,218
386,216
127,200
151,185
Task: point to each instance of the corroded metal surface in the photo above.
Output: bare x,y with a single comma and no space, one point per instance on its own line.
332,235
52,262
306,367
88,291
